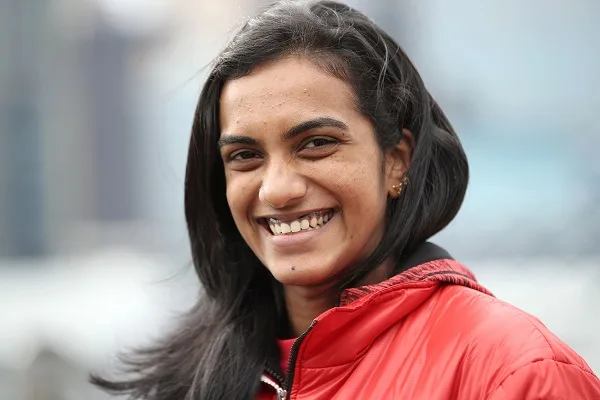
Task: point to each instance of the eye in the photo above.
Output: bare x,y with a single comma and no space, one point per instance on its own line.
242,155
318,142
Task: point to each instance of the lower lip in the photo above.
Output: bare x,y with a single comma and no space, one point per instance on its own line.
297,238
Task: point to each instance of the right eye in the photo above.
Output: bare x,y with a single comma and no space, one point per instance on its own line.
242,155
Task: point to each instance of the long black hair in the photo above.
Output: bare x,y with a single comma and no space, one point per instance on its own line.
220,348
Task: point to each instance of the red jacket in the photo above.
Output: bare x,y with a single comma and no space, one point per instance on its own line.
431,333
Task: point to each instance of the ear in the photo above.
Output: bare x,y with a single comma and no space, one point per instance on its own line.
397,161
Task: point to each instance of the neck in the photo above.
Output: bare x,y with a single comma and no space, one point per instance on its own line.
305,303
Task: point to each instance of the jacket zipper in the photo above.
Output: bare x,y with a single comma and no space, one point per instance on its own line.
284,387
292,360
281,392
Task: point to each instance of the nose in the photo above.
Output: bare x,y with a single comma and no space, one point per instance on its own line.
282,186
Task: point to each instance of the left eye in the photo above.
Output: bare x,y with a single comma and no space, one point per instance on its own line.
319,142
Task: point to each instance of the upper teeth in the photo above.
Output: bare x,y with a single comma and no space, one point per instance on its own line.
307,222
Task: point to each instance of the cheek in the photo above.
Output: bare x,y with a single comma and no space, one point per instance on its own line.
359,184
238,198
363,198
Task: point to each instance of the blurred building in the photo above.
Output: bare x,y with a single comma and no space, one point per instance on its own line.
22,26
52,376
69,151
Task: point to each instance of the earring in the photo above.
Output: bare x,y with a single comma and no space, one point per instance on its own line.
398,188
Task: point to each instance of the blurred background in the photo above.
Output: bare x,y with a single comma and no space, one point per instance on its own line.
96,103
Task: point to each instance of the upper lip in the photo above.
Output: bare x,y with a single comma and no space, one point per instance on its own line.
285,217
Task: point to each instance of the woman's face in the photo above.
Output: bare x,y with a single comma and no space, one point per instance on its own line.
307,183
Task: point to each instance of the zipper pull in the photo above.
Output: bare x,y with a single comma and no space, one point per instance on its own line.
281,394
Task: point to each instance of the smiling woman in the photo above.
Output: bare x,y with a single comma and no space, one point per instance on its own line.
319,166
307,183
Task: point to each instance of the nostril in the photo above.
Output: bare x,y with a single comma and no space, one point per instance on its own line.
282,191
264,199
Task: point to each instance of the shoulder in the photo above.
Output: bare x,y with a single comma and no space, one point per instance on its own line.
489,322
504,344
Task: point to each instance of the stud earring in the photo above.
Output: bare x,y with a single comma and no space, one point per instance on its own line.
398,188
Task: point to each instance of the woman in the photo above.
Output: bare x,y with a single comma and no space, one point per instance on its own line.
318,167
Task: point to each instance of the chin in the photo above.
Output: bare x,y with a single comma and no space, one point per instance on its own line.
303,276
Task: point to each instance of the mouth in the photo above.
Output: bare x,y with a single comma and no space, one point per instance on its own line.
308,222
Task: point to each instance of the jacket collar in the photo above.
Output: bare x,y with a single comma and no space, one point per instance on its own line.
342,334
428,263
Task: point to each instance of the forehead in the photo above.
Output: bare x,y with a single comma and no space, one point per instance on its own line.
289,89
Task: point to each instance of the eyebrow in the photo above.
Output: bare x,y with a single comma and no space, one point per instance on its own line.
233,139
321,122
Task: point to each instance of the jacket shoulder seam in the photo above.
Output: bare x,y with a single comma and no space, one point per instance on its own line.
530,364
531,322
535,324
537,329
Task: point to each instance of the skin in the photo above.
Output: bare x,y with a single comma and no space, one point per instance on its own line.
280,163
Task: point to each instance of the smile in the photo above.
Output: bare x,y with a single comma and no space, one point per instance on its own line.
308,222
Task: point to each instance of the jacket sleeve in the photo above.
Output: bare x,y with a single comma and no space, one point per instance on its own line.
548,380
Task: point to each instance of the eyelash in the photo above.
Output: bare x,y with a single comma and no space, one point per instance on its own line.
234,155
328,142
